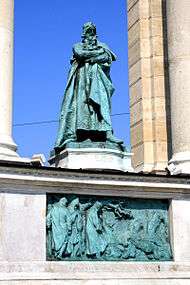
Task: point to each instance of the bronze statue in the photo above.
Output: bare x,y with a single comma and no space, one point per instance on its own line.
86,108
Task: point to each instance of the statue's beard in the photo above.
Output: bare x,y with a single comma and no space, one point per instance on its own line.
90,44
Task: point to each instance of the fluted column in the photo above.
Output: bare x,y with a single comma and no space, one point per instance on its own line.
7,145
178,25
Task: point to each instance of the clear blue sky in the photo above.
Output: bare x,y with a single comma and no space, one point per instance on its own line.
45,31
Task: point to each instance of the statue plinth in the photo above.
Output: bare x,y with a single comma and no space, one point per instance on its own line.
92,158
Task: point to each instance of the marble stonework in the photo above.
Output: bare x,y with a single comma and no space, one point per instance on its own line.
23,198
92,158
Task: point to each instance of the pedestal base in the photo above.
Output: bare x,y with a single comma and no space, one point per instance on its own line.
92,158
180,163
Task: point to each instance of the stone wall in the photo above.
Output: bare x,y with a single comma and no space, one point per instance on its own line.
23,192
147,84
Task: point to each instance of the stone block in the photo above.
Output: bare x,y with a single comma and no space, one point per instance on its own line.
131,3
135,54
135,73
160,152
158,83
140,69
160,132
133,34
145,28
140,30
140,50
23,229
144,9
145,48
140,90
149,153
159,109
148,134
156,27
133,15
181,229
157,46
156,8
137,134
157,66
92,158
146,87
136,113
138,159
135,93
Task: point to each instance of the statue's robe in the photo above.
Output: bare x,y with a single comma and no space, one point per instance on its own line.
87,101
60,222
95,239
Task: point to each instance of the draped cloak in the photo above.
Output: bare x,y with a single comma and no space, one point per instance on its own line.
58,219
87,100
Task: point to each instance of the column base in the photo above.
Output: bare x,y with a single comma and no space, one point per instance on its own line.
7,147
180,163
8,151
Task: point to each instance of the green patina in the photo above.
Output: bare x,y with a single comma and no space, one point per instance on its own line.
86,108
95,228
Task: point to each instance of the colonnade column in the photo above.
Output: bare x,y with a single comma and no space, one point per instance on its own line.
7,145
178,25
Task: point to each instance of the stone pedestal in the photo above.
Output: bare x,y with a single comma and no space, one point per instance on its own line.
92,158
178,25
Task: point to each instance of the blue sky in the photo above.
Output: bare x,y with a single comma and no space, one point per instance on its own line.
45,31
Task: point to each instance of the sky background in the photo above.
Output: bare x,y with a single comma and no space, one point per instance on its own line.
45,32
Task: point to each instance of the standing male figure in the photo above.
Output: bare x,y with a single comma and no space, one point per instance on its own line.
86,107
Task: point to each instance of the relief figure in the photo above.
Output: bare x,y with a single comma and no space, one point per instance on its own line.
59,221
107,229
96,243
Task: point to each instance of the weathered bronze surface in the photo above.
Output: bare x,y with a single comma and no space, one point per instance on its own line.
85,112
96,228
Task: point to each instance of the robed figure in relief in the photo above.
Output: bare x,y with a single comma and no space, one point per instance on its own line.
86,107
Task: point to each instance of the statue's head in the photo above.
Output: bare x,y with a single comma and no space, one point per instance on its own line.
74,204
97,205
63,201
89,29
89,36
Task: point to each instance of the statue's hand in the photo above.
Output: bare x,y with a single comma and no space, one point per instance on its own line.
91,60
101,59
94,52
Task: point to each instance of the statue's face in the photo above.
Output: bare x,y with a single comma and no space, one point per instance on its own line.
89,32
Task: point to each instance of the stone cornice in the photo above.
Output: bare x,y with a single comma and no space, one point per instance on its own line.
51,180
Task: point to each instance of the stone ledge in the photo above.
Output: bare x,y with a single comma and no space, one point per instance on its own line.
42,181
93,270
